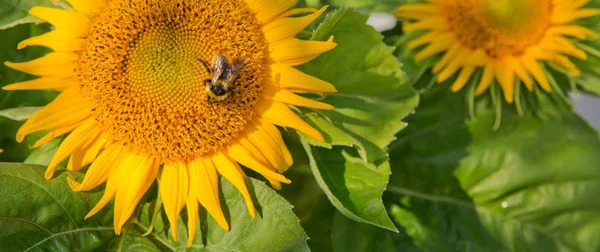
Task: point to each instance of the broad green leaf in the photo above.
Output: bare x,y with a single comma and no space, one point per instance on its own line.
372,96
371,101
353,187
15,12
275,227
532,185
19,114
41,215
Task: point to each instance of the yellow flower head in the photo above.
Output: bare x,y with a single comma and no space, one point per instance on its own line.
133,76
509,39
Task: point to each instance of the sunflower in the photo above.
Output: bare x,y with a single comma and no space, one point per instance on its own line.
509,39
132,76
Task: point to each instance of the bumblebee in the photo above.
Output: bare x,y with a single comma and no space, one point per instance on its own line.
224,73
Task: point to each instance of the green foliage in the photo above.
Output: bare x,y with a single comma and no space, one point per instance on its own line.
531,185
47,215
275,227
15,12
371,101
14,104
36,214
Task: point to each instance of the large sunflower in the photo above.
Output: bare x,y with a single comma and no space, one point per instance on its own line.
509,39
132,75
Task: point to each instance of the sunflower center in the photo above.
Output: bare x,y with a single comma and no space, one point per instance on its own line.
500,27
141,68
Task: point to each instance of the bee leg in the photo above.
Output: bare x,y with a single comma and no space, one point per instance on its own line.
208,70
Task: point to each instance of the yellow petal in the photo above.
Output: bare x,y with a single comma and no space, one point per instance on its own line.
506,78
563,17
276,135
282,95
443,43
268,147
241,154
204,185
44,83
230,170
100,169
73,22
452,52
174,189
463,77
516,66
60,65
572,31
136,175
267,10
424,39
455,64
285,28
292,78
407,11
192,212
435,23
293,52
279,114
67,109
486,79
535,69
80,138
54,134
112,183
85,155
57,40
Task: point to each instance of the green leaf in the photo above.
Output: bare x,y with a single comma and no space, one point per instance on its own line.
275,227
36,214
353,187
372,96
533,185
368,6
15,12
19,114
371,101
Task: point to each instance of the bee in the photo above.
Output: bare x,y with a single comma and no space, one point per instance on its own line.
224,74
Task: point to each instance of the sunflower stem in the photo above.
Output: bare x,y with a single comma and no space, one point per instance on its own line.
154,215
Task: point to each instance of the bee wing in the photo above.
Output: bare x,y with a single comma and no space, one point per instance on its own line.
233,72
219,67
